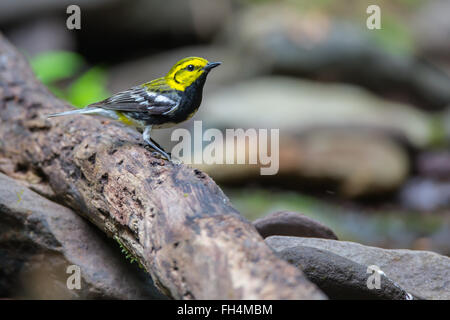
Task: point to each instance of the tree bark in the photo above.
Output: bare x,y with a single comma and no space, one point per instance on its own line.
174,219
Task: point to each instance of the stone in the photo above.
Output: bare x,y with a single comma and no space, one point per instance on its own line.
422,273
431,27
40,239
285,223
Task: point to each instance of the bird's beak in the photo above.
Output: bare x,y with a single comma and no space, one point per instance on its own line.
211,65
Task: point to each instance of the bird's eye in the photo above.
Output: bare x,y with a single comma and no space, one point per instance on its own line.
190,67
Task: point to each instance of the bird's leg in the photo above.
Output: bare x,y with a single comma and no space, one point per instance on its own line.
156,144
153,144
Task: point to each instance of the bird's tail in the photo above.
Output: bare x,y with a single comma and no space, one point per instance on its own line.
88,110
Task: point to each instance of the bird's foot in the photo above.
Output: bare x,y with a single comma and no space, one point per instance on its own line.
160,154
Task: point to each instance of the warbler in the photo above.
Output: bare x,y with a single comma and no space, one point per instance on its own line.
160,103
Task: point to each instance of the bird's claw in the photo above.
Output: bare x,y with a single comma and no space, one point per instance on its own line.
158,154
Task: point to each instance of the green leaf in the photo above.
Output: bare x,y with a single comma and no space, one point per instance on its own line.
56,65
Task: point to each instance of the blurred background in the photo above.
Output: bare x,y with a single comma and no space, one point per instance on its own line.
364,115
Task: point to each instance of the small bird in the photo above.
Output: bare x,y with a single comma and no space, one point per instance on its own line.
160,103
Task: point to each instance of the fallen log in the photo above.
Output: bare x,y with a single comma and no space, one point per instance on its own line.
174,219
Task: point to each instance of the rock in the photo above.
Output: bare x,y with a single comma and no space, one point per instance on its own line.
422,273
295,105
425,194
341,278
446,125
42,35
285,223
138,71
12,11
321,46
352,161
39,239
152,26
113,30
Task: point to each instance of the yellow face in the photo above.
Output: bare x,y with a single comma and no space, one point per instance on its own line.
185,72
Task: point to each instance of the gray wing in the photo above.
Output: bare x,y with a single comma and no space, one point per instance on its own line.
138,99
